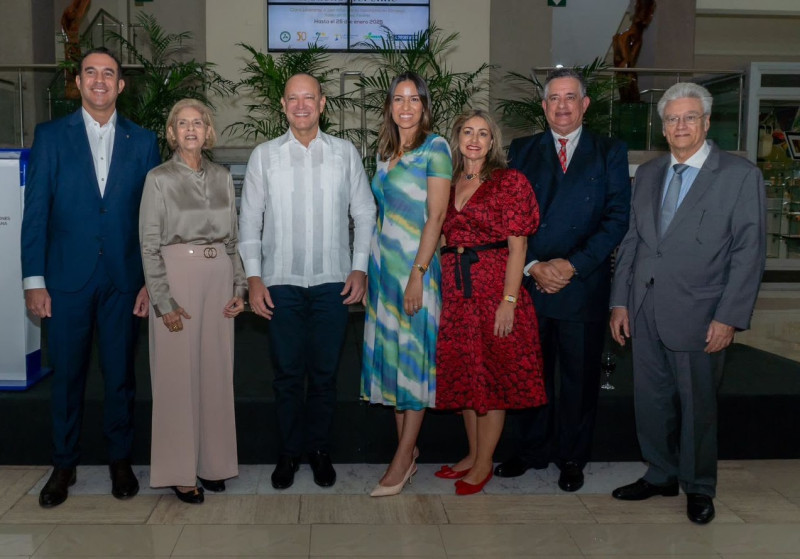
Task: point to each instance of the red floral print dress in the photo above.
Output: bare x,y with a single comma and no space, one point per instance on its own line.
474,368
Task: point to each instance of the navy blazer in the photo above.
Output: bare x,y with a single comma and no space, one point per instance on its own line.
66,225
584,215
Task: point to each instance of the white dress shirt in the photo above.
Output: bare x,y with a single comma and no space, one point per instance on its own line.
101,142
695,163
293,224
572,142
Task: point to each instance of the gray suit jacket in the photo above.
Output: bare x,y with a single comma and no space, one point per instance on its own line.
708,264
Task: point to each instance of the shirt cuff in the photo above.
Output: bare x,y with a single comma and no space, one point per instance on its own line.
252,267
528,266
360,262
33,282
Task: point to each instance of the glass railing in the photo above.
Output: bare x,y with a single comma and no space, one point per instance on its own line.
638,124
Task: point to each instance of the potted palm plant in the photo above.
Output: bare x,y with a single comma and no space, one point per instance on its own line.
164,78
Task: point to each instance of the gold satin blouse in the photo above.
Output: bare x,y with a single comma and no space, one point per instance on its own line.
181,205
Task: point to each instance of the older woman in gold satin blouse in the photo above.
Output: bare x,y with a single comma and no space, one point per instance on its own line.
188,233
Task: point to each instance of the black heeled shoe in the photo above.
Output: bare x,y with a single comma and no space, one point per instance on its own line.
194,497
215,485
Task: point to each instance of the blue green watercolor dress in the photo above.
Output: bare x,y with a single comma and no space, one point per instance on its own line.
399,364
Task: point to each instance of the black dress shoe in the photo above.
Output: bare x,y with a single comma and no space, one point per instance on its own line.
641,490
194,497
699,508
124,484
283,476
56,490
215,485
324,474
571,478
517,466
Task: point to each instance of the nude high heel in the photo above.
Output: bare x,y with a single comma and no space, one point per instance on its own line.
384,491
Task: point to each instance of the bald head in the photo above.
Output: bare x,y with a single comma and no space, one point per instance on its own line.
308,78
303,103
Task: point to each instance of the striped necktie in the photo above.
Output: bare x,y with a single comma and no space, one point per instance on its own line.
562,153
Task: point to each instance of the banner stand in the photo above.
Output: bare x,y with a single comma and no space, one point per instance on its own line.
20,332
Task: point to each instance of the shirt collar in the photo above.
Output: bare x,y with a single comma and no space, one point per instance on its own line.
697,159
572,137
290,137
89,121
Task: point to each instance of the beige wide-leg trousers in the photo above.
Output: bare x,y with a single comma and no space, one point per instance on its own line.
194,427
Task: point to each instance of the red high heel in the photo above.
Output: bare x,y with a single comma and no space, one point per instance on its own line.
446,472
464,488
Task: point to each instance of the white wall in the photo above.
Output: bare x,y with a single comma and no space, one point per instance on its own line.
244,21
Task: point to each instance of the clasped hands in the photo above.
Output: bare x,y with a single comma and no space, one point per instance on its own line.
173,320
552,276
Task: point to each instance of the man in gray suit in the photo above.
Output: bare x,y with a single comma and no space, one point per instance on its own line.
687,277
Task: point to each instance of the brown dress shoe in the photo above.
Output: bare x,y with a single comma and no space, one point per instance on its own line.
124,484
56,490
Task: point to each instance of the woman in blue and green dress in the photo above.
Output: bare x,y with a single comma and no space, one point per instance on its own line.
412,187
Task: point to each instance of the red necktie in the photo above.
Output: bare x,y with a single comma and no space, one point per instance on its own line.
562,153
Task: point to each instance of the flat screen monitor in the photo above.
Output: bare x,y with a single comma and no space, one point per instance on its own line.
342,25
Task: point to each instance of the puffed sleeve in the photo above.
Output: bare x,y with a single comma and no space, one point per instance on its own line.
519,208
440,163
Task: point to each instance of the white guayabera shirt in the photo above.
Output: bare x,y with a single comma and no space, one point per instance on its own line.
293,223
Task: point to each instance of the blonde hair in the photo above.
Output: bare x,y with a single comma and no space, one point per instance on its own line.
205,114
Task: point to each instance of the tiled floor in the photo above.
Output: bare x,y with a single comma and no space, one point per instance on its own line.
758,516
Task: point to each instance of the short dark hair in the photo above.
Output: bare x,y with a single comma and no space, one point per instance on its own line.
101,50
565,73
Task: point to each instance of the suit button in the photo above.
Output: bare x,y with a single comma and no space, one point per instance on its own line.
658,254
103,210
543,225
100,251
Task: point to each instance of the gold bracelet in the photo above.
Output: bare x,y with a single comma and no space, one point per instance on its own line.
510,298
421,267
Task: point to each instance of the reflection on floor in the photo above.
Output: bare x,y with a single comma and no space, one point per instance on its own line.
758,516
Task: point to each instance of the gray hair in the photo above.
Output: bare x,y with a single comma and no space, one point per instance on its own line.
564,73
681,91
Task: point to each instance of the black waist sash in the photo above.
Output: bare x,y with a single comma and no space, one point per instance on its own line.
467,256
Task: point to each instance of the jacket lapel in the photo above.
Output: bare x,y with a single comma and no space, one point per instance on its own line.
656,192
699,188
562,184
122,136
79,141
549,175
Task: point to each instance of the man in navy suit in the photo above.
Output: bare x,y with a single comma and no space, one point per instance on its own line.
582,185
81,264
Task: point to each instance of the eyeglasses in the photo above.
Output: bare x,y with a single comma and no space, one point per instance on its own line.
688,120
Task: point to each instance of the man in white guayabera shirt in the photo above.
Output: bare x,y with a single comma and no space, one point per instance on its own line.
295,245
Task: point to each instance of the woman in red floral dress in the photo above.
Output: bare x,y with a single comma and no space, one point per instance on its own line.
488,356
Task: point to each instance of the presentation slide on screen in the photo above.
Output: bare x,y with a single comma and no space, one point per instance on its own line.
294,26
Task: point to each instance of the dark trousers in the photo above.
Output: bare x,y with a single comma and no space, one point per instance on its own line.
562,430
675,399
306,335
97,307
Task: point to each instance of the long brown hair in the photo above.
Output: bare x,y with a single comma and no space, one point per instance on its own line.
389,135
495,159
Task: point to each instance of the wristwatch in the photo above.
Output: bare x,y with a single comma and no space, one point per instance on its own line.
510,299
